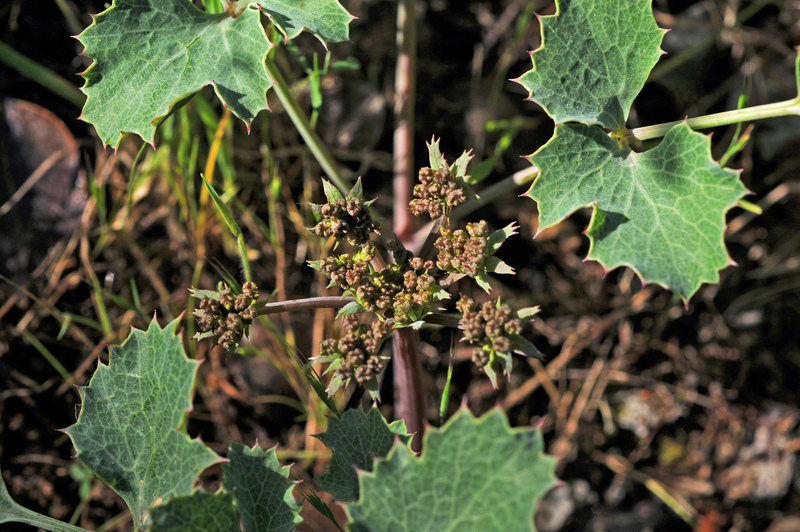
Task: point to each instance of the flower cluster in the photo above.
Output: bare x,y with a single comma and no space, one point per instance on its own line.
355,354
490,326
347,219
437,192
227,316
401,291
463,251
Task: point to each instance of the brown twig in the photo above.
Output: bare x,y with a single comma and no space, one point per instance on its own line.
404,96
305,304
408,383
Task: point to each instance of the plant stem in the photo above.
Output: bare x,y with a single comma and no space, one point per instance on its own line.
314,143
305,304
408,384
758,112
407,378
404,99
434,318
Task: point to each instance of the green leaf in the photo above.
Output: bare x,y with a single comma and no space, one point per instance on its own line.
332,194
528,312
661,212
497,238
483,281
326,19
522,346
261,490
459,168
200,294
495,265
472,475
435,156
131,428
202,510
357,192
319,388
354,307
150,54
356,439
223,209
594,60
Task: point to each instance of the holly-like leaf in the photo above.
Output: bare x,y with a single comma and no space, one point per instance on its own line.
202,510
261,489
594,60
472,475
326,19
661,212
152,54
435,156
131,428
356,439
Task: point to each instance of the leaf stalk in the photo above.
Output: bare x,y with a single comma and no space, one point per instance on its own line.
300,121
758,112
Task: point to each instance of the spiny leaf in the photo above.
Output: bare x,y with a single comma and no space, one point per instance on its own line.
356,439
332,194
357,192
497,238
435,157
594,60
151,54
130,431
661,212
260,487
326,19
202,510
472,475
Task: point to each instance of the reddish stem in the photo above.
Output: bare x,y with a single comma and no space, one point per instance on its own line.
408,384
404,96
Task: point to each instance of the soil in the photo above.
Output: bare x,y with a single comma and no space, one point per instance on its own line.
665,415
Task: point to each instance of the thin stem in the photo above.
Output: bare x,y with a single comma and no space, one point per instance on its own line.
300,121
404,98
434,318
305,304
758,112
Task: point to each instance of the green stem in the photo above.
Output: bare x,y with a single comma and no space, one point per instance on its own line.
12,512
314,143
499,189
758,112
41,75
